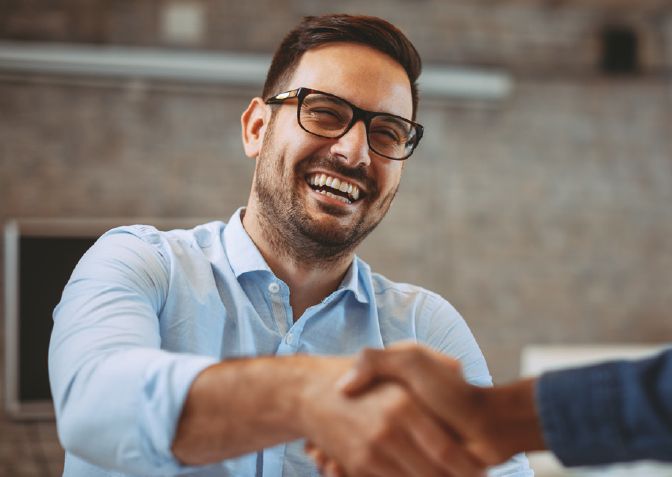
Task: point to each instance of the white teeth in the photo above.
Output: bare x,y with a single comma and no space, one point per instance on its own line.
337,197
334,196
320,180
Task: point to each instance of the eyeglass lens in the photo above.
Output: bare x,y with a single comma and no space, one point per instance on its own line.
329,116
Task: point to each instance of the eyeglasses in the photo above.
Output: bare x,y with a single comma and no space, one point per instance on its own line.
326,115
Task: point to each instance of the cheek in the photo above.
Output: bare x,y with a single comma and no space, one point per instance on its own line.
281,139
289,138
391,176
301,151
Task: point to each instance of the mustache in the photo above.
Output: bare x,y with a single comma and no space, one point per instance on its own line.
331,163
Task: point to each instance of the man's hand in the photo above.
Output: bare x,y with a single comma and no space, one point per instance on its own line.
383,432
238,406
492,423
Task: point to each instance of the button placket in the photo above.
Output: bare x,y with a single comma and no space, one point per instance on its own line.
278,306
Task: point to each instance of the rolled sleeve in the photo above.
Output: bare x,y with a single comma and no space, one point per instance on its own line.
117,395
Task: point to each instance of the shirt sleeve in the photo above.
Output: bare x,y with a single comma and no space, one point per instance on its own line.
611,412
444,330
117,395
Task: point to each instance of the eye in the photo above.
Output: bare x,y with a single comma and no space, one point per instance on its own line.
329,110
323,118
387,134
326,113
390,130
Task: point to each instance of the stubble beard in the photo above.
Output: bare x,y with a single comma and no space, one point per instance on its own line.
286,224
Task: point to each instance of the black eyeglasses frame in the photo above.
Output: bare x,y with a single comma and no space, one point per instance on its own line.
357,115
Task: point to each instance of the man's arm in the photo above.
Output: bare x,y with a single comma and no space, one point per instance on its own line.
117,394
239,406
152,411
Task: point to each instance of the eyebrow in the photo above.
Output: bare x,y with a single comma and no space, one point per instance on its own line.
338,100
332,99
392,118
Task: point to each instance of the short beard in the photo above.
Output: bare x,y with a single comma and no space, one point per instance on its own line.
285,225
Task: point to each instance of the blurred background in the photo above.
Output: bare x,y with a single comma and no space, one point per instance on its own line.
539,202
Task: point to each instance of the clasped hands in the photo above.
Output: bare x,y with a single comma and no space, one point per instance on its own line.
407,411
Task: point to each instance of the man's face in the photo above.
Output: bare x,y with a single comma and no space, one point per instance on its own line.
291,161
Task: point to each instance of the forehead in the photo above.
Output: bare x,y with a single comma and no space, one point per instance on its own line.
364,76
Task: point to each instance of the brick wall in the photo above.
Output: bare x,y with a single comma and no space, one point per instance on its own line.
544,218
524,35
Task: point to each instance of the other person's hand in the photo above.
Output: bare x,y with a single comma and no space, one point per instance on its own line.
382,432
492,423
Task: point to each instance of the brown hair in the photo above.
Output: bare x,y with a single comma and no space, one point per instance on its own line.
316,31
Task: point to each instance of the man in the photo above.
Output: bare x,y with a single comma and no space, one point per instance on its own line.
187,351
619,411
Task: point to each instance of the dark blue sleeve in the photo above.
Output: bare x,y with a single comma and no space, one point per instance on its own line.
612,412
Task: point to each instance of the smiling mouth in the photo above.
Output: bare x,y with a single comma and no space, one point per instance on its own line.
334,187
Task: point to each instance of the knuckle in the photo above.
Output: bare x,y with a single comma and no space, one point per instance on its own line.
422,354
411,355
400,406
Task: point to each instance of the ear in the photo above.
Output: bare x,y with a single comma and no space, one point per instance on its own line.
253,123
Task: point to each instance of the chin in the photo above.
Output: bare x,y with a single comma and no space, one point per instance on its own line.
329,233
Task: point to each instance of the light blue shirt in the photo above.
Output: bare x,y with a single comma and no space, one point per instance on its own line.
145,311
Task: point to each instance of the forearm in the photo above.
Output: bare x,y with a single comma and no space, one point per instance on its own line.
239,406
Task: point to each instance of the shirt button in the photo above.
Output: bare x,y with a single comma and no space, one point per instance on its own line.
273,287
289,338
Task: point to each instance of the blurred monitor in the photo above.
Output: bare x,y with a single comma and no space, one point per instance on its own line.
39,258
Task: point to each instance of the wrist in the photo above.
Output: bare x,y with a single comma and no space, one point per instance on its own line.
511,419
319,378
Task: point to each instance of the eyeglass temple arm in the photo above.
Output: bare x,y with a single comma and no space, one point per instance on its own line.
279,98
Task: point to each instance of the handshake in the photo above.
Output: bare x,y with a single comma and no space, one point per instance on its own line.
407,411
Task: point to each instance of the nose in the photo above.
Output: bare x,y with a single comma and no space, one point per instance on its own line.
353,146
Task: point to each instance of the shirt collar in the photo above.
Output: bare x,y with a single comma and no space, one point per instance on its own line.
354,280
244,256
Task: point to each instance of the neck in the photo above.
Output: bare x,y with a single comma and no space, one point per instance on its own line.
309,281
